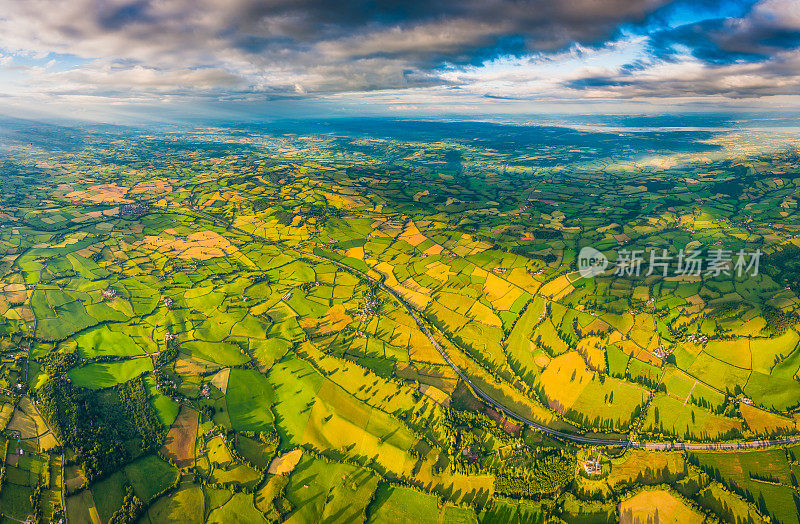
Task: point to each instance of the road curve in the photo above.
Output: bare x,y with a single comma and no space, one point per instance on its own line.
656,446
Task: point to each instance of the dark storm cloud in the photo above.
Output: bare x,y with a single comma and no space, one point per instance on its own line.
768,28
726,41
313,44
232,48
116,16
754,55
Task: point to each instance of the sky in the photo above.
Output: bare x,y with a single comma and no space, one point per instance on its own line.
116,59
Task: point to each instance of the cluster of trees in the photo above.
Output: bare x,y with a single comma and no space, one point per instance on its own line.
167,355
549,474
784,266
55,362
777,320
647,381
36,498
703,403
131,509
164,360
97,424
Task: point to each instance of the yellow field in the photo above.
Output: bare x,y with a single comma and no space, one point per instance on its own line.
541,359
15,293
152,186
420,349
355,252
334,321
412,292
201,245
435,394
521,277
412,235
484,314
505,302
434,250
438,270
285,464
564,380
101,194
496,288
220,380
639,462
735,352
593,351
47,442
763,422
656,506
557,288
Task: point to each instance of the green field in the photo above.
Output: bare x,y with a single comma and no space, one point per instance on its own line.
249,399
289,311
150,476
103,375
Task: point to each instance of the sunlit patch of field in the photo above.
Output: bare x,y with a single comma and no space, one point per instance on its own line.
101,194
334,320
564,379
557,288
417,295
220,379
593,351
650,466
179,443
763,422
151,186
735,352
671,416
15,293
284,464
656,506
201,245
412,235
435,394
495,288
484,314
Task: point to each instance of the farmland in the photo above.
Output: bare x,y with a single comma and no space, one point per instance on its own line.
306,324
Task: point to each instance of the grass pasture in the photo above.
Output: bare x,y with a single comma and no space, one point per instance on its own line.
185,505
108,494
100,375
761,476
150,476
322,492
59,314
647,467
672,417
221,353
256,452
101,340
249,397
403,506
657,506
80,508
773,392
763,422
238,510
